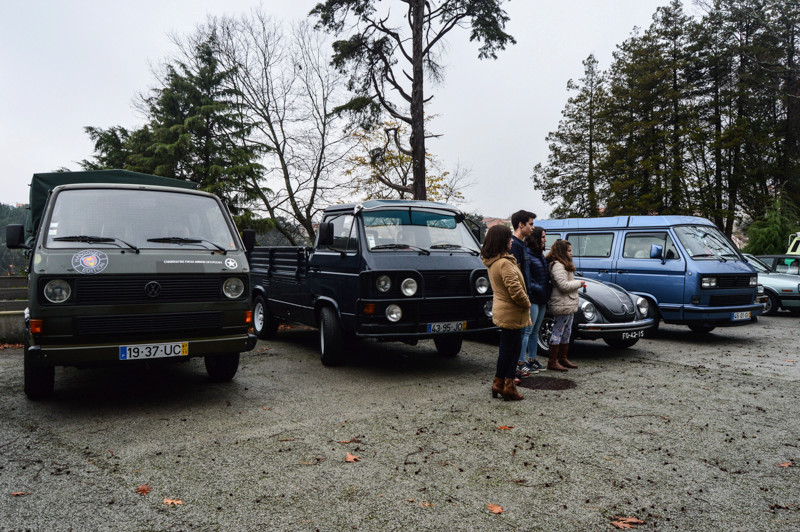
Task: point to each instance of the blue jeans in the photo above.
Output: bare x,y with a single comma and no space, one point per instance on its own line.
530,334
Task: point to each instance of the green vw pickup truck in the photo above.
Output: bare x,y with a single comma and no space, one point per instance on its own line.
128,268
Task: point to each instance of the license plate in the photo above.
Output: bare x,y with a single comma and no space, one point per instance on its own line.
447,326
634,334
148,351
737,316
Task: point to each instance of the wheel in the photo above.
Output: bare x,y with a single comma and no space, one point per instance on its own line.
619,343
222,368
652,313
331,338
543,336
771,306
448,346
702,329
38,380
264,323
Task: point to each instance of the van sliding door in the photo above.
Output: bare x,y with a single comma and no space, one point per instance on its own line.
591,253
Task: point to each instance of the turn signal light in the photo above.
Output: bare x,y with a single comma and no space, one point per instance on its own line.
248,317
369,308
37,326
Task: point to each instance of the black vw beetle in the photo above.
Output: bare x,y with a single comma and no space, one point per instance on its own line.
605,311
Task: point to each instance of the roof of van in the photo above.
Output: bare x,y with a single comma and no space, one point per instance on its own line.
619,222
388,204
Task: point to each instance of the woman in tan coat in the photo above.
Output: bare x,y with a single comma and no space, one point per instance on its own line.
510,307
563,303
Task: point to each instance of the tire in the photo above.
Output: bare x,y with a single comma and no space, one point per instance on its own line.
543,336
702,329
772,305
448,346
653,313
222,368
265,324
331,338
39,381
619,343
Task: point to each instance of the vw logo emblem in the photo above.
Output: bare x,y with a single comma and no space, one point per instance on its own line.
152,289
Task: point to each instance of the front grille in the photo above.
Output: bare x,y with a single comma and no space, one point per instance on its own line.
446,283
730,301
733,281
131,289
150,323
432,311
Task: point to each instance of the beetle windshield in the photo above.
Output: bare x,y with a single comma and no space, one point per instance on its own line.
129,218
705,242
417,229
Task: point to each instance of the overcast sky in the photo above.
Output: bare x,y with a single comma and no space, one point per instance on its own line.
66,64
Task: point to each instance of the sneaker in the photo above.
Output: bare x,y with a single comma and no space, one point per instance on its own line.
516,380
529,369
522,371
534,364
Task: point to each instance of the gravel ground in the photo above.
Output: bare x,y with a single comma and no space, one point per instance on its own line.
681,431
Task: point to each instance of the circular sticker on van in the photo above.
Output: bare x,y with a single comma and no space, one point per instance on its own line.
89,261
231,264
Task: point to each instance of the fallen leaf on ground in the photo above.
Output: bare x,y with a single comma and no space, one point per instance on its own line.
427,504
352,440
144,489
785,464
265,408
626,522
352,458
173,502
505,427
494,508
10,346
20,493
790,360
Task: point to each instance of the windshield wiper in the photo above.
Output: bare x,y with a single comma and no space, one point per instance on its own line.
422,251
454,246
182,240
89,239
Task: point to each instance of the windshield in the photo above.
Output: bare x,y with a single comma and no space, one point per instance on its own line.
416,229
704,242
122,218
758,265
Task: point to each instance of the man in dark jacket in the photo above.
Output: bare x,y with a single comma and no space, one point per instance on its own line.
522,223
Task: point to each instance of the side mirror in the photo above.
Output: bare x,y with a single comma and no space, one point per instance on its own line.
249,239
15,237
656,251
325,235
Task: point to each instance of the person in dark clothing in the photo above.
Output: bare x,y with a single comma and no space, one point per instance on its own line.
538,293
522,225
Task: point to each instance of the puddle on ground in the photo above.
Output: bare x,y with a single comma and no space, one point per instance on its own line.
546,383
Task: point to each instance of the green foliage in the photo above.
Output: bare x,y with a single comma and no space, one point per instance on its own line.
12,261
769,234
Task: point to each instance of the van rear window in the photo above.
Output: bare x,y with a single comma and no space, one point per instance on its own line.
591,244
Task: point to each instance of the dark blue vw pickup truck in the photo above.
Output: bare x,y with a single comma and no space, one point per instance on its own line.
384,269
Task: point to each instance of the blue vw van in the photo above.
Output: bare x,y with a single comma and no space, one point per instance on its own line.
684,266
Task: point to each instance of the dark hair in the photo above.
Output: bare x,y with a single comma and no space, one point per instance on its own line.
559,253
496,241
534,240
520,217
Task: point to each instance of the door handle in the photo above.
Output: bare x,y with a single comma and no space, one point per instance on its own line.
622,271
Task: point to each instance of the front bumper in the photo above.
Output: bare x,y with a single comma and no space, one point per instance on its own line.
613,330
108,353
720,316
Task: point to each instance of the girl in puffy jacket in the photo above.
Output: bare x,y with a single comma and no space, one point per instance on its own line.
563,303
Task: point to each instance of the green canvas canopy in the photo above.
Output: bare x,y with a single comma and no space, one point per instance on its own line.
42,184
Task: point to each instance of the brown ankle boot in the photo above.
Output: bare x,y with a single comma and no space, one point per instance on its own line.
497,387
552,363
510,392
562,357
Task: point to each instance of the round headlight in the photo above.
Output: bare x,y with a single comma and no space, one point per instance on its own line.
233,287
383,283
409,287
481,285
588,310
394,313
643,306
487,309
57,291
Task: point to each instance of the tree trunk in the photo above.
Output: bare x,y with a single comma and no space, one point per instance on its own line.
418,102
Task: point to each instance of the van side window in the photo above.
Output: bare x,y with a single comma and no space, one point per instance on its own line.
344,237
591,244
637,245
549,238
795,245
